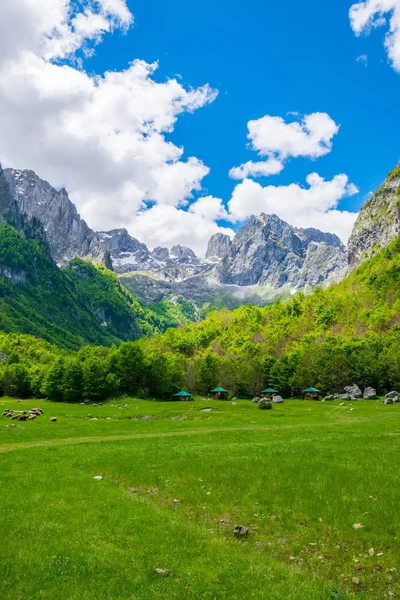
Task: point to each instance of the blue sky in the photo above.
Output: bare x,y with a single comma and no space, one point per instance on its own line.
268,57
151,149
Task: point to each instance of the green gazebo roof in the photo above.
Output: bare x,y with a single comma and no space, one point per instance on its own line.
219,390
182,395
270,391
311,390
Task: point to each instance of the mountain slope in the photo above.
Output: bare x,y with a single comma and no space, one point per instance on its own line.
378,222
71,307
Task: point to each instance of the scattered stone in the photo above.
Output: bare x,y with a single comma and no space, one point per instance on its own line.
233,403
371,552
53,420
256,399
353,390
387,400
342,404
356,581
380,554
277,400
98,477
357,526
292,558
126,406
206,410
161,571
369,393
240,530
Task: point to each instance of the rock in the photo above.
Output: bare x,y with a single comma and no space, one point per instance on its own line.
356,581
346,397
53,419
277,400
98,477
126,406
342,404
378,222
391,394
396,399
256,399
387,401
371,552
353,390
218,246
240,530
161,571
369,393
358,526
331,397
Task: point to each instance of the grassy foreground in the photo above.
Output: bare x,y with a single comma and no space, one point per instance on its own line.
175,486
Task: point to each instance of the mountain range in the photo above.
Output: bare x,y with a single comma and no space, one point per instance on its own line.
267,258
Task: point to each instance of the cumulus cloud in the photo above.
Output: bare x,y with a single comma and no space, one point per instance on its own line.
370,14
272,137
312,206
363,59
104,137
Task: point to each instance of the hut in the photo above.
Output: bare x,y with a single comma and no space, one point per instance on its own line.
311,393
219,393
182,396
269,392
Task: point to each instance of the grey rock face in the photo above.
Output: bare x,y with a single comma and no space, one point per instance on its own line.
353,390
369,393
68,235
387,401
277,400
218,246
378,222
391,394
269,252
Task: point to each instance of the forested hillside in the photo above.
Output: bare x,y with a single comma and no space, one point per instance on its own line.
348,333
71,307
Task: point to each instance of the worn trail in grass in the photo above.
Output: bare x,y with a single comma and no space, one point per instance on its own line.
299,477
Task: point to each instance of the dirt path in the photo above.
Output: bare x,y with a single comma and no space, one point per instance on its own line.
138,436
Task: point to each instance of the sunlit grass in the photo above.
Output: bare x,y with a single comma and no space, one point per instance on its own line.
175,486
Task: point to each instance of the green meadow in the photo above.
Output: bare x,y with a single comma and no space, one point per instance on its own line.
177,478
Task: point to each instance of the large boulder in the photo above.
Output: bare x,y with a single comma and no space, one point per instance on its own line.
330,397
391,394
347,397
353,390
369,393
256,400
387,401
277,400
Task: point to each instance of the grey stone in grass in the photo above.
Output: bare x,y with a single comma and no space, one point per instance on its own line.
240,530
256,399
391,394
387,401
277,400
346,397
369,393
330,397
353,390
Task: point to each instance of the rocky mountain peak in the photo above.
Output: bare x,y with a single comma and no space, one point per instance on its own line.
378,222
160,253
218,246
182,253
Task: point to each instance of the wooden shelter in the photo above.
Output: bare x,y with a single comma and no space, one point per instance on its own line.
219,393
311,393
269,392
182,396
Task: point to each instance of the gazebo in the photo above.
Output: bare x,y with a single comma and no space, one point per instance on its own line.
219,393
182,396
269,392
311,393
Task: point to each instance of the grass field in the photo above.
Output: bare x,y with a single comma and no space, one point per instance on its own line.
175,486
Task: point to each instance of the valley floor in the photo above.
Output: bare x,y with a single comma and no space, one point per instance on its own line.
174,487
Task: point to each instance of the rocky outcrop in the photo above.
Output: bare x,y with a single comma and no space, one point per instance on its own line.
269,252
68,236
218,246
378,222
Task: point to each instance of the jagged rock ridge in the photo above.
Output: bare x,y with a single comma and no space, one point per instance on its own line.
266,258
378,222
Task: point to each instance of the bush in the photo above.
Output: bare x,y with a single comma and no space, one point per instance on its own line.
264,405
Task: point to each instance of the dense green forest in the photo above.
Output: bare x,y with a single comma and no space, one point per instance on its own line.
348,333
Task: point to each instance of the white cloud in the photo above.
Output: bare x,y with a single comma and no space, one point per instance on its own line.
311,206
102,137
369,14
165,225
274,138
363,59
